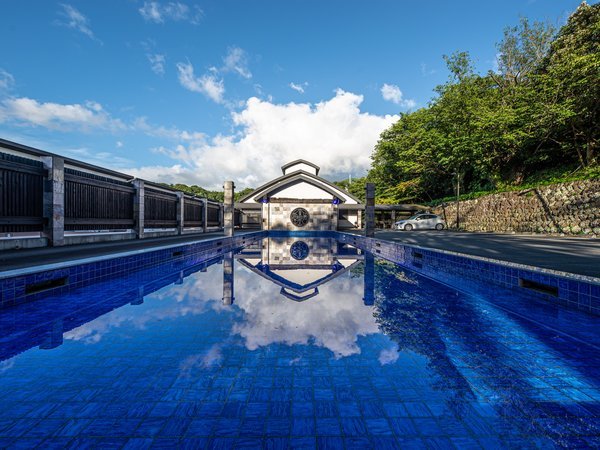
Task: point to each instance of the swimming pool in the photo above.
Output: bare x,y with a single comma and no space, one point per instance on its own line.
294,341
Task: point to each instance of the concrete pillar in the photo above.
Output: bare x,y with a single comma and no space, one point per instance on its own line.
205,215
55,336
228,208
369,280
138,208
393,217
180,212
54,201
265,216
370,210
228,279
335,216
139,299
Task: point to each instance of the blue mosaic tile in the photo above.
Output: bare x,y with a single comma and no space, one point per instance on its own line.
140,356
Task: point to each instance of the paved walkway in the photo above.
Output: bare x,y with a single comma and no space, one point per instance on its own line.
575,255
16,259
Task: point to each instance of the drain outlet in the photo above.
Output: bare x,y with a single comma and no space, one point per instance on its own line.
34,288
538,287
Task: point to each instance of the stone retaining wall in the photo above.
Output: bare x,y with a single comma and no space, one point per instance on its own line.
570,208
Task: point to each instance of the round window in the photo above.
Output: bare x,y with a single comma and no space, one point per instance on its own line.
299,250
299,217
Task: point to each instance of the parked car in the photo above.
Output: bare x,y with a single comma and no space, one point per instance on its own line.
421,222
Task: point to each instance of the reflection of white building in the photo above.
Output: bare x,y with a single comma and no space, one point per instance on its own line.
299,266
300,200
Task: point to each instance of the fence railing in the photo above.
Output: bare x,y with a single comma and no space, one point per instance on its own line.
41,192
23,175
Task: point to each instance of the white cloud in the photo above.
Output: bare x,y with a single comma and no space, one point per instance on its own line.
76,20
388,356
7,365
6,80
426,71
334,320
392,93
159,12
174,174
298,87
236,61
333,133
157,63
173,133
119,144
56,116
211,84
208,84
102,159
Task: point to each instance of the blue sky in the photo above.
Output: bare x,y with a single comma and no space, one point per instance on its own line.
199,92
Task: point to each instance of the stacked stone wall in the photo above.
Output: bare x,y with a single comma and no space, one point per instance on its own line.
567,208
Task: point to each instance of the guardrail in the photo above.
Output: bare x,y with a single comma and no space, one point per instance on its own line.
42,195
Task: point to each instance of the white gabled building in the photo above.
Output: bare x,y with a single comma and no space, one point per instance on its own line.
301,200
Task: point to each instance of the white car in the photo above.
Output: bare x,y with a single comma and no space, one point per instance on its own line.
421,222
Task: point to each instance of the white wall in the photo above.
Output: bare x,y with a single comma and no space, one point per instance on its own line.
302,189
300,166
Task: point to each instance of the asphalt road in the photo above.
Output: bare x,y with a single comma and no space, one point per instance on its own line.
575,255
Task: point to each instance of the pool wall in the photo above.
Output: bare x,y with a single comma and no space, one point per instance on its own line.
43,323
24,285
570,290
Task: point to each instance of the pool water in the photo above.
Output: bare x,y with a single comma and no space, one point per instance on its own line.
286,344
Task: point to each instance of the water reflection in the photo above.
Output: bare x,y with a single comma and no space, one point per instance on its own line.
314,322
300,266
83,313
228,279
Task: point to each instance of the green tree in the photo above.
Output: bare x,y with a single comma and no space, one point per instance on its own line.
522,50
538,112
570,84
355,187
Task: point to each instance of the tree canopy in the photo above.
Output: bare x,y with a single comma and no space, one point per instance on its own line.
538,111
217,196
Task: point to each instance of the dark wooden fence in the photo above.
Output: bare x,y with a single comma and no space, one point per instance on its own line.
193,214
213,214
21,194
95,199
248,219
160,209
93,202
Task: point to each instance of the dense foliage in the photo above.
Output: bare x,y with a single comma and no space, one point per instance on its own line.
217,196
538,112
356,187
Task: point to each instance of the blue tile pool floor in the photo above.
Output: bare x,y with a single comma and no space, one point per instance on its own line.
375,357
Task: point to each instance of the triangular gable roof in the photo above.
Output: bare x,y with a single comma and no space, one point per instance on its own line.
300,161
275,184
299,298
266,272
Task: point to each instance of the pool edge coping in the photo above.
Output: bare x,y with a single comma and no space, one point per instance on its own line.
92,259
512,265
